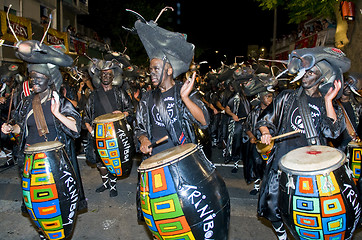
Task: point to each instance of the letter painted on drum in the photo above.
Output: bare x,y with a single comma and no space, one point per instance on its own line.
126,145
71,184
352,197
207,215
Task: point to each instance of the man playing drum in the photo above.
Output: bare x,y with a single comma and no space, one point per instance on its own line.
105,99
170,109
309,109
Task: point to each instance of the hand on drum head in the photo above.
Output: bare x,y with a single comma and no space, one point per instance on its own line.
266,139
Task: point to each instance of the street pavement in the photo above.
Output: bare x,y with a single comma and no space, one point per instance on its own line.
115,218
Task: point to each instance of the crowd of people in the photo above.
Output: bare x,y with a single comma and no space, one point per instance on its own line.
234,108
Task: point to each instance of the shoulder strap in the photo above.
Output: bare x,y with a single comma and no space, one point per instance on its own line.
304,111
40,121
104,101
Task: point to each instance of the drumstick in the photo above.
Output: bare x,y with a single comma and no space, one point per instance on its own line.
284,135
11,103
154,144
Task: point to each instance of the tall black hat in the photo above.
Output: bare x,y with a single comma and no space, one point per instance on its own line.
166,45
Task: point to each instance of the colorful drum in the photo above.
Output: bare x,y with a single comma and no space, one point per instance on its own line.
354,155
183,196
114,142
318,199
50,190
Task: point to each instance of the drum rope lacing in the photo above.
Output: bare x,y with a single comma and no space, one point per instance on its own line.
290,183
327,184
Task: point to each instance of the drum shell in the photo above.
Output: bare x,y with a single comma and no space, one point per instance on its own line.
201,192
341,206
50,192
117,149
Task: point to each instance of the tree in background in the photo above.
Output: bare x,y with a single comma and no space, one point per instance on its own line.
300,10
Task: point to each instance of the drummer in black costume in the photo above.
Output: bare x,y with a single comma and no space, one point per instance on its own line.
310,109
62,119
171,108
105,99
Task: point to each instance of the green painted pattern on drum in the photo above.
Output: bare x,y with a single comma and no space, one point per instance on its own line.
166,207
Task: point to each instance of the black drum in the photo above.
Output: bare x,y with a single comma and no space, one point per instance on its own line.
318,199
114,142
183,196
50,189
354,155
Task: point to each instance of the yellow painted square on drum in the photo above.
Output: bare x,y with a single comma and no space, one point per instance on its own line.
41,179
158,180
357,155
184,236
159,207
307,220
327,185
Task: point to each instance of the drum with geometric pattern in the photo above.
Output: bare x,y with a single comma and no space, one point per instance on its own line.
354,155
182,195
114,142
50,190
318,199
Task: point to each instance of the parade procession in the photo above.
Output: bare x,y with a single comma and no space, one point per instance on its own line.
164,130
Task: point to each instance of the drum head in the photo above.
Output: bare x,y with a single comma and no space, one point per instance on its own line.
43,147
109,117
355,144
312,160
168,157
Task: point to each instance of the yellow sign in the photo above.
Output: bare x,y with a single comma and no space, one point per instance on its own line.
55,37
21,26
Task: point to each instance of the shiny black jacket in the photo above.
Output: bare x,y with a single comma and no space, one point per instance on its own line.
143,123
277,115
64,134
124,104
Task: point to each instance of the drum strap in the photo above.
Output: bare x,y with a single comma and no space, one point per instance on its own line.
105,101
349,126
40,121
304,111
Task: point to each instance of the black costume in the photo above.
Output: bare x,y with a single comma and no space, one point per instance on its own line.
183,119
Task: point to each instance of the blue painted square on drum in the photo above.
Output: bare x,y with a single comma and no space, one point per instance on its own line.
335,224
26,184
315,192
303,204
309,234
112,143
150,221
40,205
100,131
116,162
169,185
114,153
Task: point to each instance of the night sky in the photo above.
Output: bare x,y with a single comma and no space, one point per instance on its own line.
227,26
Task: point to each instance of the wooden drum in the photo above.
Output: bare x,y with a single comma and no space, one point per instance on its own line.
182,195
318,199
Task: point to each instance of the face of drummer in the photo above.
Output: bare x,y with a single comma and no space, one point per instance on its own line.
38,81
156,67
346,89
267,99
107,76
310,77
